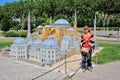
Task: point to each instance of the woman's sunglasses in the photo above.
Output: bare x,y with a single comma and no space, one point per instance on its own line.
85,29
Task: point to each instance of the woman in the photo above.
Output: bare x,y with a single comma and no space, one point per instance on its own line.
87,47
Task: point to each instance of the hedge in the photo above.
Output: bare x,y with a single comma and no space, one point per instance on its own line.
15,34
23,33
11,34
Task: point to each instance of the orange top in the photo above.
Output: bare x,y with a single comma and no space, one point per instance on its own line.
87,36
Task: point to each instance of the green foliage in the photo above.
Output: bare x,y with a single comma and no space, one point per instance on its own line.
1,34
42,9
4,44
110,34
22,33
111,52
80,31
11,34
5,24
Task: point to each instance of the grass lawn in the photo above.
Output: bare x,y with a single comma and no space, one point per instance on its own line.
111,52
4,44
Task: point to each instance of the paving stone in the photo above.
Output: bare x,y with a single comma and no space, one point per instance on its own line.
109,71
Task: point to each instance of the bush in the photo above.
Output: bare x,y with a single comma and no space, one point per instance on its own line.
4,44
23,33
1,33
80,31
5,24
11,34
110,34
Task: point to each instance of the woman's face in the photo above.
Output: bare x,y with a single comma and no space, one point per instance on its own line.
85,30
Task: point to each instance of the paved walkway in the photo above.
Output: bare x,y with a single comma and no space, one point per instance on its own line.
17,70
109,71
106,38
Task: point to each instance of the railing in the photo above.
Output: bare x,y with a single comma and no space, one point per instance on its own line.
65,68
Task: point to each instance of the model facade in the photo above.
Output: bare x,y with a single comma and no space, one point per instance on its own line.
57,41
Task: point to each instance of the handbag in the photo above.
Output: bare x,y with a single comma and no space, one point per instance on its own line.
86,50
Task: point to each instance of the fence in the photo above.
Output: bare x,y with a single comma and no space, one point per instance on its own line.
65,67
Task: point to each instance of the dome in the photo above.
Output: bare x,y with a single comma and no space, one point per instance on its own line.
20,41
50,43
37,42
61,22
66,37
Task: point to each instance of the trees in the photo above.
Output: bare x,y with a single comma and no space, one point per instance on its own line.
42,9
5,24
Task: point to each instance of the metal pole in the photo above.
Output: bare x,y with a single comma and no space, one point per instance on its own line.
95,34
95,30
65,65
96,59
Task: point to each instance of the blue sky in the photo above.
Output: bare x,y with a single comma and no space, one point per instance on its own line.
2,2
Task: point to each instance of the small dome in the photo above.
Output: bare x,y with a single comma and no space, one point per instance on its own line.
20,41
62,22
66,37
50,43
37,42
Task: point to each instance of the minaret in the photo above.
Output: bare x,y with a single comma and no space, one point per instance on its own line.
50,20
29,37
75,22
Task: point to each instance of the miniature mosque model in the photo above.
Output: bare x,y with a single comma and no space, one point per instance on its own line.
56,42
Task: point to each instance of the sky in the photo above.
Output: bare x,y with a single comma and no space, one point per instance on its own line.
2,2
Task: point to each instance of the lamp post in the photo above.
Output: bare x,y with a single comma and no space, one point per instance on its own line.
95,34
65,64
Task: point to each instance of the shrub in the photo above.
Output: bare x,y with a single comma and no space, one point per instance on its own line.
1,33
23,33
110,34
11,34
4,44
